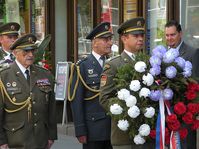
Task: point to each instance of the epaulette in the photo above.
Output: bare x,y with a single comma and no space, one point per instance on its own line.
81,60
39,66
4,66
112,58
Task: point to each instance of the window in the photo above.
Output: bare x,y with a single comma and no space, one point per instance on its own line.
29,14
85,24
189,20
110,13
156,20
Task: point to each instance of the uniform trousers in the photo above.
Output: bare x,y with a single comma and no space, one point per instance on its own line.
97,145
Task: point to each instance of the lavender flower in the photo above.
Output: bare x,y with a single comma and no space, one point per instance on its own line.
155,70
159,51
155,95
170,72
186,72
170,55
180,62
167,94
155,60
188,65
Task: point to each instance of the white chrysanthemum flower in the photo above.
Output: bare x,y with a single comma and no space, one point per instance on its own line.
116,109
139,140
149,112
135,85
148,79
123,125
131,101
144,130
123,94
140,66
133,111
144,92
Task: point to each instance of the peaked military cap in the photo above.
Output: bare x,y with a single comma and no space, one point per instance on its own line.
133,26
101,30
26,42
10,28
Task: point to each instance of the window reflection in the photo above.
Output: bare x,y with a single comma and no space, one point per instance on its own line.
84,26
189,21
110,13
155,23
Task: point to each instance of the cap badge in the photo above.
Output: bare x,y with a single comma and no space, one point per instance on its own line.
12,27
139,23
30,40
106,27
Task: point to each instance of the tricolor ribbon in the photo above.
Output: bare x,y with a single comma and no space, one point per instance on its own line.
160,128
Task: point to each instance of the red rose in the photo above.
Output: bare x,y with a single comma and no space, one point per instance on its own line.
183,133
190,95
193,87
174,126
193,108
188,118
171,118
152,134
195,125
180,108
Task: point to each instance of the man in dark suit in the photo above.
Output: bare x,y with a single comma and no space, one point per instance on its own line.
27,101
92,125
8,34
132,36
173,35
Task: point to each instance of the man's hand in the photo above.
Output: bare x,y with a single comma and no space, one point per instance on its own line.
82,139
50,143
4,146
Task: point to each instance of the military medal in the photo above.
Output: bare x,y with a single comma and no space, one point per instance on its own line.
90,71
8,84
103,80
14,84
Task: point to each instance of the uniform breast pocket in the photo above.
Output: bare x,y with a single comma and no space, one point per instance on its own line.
45,88
13,92
45,93
15,134
93,82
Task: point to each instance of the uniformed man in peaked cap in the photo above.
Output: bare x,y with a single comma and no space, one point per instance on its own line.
27,101
132,35
8,34
92,125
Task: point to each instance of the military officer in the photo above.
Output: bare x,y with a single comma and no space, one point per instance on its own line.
27,102
92,125
8,34
132,36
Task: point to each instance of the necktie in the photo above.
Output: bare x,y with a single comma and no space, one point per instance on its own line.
27,76
12,57
103,60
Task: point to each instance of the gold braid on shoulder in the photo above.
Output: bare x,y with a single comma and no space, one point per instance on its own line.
21,105
79,77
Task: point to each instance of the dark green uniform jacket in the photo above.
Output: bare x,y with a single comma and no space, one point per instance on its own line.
27,128
108,90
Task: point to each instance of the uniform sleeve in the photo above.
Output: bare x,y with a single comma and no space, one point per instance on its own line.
77,105
52,114
3,139
107,85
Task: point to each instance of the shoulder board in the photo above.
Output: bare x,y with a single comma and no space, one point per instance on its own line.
38,66
112,58
4,66
81,60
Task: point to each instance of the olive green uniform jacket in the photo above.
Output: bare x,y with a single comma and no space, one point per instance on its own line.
27,128
108,90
